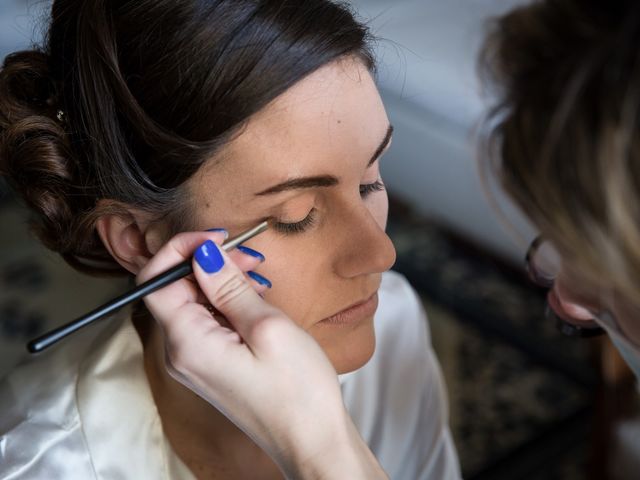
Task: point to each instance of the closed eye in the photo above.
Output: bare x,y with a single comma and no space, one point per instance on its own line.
296,227
307,222
369,188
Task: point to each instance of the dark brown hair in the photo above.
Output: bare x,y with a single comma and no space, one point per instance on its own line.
127,98
566,132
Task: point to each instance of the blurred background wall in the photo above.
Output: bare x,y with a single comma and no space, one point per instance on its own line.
19,23
428,78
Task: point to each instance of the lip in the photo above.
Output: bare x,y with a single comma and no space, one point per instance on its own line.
354,313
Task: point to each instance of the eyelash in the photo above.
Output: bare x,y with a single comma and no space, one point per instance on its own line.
369,188
297,227
309,220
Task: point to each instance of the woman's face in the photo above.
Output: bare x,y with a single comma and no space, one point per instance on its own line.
310,161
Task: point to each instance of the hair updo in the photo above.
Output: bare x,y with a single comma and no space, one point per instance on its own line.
126,99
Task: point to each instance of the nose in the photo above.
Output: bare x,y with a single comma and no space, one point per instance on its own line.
570,305
364,246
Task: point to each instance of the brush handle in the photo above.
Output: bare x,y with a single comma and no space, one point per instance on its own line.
173,274
176,273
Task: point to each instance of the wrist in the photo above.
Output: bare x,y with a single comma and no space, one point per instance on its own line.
336,451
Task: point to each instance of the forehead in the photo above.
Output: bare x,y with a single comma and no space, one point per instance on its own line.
325,124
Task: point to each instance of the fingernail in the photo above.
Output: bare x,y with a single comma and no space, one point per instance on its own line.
220,230
259,278
209,257
251,252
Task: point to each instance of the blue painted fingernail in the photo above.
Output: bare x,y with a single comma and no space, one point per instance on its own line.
209,257
220,230
259,278
251,252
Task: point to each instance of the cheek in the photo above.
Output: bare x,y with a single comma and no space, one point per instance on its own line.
305,288
298,278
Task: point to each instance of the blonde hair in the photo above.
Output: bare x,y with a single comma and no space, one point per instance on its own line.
565,136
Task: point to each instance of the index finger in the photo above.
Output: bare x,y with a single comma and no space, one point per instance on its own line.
177,250
229,291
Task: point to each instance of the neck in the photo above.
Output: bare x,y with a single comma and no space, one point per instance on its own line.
198,433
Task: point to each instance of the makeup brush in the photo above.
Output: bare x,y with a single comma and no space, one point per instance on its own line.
175,273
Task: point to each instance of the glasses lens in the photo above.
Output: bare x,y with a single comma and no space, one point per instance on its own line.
543,262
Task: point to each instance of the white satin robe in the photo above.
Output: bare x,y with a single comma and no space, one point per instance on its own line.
85,410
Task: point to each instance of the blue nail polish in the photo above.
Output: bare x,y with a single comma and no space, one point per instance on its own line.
251,252
220,230
209,257
259,278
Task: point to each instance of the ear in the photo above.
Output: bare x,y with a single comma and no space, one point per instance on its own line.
129,237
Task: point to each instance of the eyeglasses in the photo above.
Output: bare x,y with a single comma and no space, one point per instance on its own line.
543,263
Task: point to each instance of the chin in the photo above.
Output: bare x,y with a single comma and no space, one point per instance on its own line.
349,350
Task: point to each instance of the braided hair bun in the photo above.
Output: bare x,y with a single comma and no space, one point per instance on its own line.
36,156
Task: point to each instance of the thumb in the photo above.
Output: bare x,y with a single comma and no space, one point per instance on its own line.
229,291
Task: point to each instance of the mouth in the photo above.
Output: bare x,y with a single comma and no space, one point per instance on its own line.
354,313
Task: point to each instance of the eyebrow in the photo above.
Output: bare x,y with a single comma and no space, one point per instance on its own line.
324,180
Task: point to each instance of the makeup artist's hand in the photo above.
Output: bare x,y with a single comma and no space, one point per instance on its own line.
254,364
